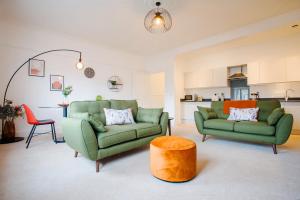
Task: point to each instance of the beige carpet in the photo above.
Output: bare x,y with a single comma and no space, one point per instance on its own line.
226,170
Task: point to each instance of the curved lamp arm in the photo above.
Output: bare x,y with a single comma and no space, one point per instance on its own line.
11,78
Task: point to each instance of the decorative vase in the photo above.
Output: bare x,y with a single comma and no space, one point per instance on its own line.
9,130
65,101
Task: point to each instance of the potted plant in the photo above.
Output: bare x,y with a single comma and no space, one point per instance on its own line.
8,112
66,92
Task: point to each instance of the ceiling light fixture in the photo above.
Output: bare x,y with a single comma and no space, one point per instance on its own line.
158,20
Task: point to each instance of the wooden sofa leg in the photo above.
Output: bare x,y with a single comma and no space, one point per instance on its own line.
76,154
203,137
97,165
274,148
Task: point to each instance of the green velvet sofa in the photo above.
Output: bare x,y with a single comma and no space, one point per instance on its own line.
259,131
80,136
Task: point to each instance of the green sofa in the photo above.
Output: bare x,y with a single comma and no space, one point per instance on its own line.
259,131
80,136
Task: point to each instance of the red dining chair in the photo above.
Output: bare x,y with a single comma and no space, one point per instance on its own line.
33,121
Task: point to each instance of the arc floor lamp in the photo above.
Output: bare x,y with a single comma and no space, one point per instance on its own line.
79,67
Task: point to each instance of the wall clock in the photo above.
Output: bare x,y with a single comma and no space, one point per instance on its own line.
89,72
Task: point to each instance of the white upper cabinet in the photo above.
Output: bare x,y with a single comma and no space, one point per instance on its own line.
206,78
272,71
190,80
253,73
293,68
220,77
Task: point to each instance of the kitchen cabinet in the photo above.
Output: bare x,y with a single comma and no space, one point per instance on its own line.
206,78
253,73
293,68
267,71
190,80
220,77
272,71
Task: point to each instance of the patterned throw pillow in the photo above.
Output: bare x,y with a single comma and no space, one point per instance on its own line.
243,114
118,117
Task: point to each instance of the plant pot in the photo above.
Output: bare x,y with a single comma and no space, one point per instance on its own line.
9,130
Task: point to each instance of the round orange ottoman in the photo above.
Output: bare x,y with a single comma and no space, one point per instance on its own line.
173,158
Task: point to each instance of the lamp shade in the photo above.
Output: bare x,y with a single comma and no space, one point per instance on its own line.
158,20
79,65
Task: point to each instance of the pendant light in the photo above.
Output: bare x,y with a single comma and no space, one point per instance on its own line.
158,20
79,65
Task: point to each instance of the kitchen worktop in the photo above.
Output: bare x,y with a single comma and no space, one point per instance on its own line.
291,99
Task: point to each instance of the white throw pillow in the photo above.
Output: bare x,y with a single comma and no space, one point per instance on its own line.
243,114
118,117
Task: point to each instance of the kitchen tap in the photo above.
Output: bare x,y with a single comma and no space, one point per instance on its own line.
286,94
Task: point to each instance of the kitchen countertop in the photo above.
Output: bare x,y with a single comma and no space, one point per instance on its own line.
291,99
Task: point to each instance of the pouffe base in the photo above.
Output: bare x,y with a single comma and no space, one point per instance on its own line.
173,159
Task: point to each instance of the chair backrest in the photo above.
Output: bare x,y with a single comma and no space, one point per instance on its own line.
29,115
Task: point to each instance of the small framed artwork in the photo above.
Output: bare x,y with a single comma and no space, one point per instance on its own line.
56,82
36,68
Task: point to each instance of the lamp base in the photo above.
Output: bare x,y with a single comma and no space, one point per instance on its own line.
13,140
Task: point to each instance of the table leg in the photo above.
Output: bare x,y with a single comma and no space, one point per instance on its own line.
169,127
65,111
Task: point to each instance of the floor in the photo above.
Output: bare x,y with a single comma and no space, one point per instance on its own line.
226,170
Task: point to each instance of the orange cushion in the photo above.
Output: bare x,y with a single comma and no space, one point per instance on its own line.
238,104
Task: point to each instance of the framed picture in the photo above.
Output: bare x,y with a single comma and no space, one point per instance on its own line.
56,82
36,68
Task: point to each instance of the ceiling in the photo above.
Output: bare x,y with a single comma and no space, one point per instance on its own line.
119,24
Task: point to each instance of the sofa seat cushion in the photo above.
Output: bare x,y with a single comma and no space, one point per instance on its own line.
115,134
258,128
146,129
220,124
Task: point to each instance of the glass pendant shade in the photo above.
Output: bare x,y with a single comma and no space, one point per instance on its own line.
158,20
79,65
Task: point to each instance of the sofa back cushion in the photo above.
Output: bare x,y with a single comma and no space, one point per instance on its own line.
275,116
238,104
150,115
124,104
94,108
218,107
266,108
207,113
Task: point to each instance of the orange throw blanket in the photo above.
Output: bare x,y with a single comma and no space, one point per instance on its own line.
238,104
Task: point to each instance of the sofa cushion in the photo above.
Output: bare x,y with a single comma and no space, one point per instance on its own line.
207,113
243,114
218,107
83,115
149,115
258,128
118,117
146,129
123,104
266,108
275,116
96,124
220,124
91,107
115,134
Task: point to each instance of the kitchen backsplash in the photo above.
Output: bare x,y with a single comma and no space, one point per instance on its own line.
265,91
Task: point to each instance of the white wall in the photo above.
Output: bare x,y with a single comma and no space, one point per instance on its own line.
18,43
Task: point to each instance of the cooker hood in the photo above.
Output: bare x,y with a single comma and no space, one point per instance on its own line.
239,75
